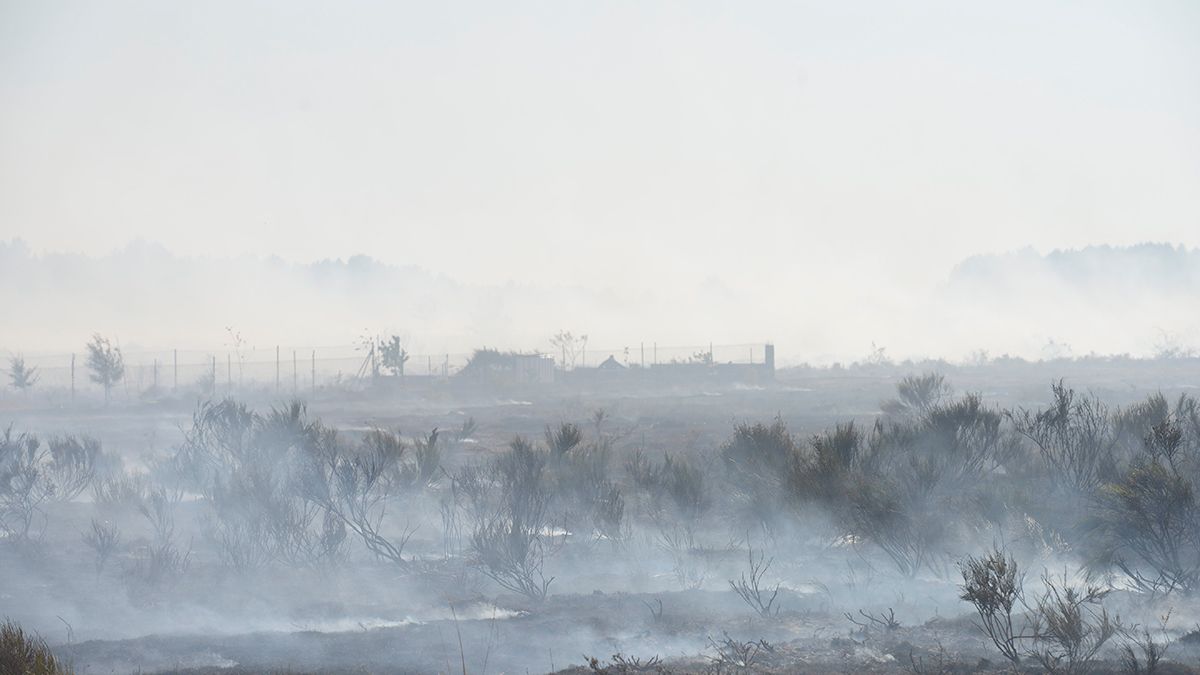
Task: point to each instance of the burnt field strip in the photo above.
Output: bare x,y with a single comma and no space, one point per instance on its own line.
863,524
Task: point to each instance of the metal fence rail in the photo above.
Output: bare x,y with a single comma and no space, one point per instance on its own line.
300,369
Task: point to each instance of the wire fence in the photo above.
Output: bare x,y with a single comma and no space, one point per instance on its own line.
300,369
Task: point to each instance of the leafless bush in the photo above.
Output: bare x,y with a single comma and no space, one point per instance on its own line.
899,516
1160,427
219,441
520,476
159,510
33,473
917,394
509,546
736,655
608,510
260,520
656,609
1074,437
939,664
241,545
1063,629
689,567
835,455
466,430
156,567
622,665
882,621
23,487
760,597
122,493
71,465
273,482
675,484
427,459
471,488
361,503
161,563
758,449
564,439
1071,625
960,438
1147,523
1142,652
757,461
1148,526
909,486
644,472
993,585
583,492
513,555
685,484
104,539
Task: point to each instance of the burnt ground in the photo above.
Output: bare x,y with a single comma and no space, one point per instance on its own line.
694,633
377,619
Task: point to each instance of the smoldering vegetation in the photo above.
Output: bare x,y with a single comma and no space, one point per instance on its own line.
944,534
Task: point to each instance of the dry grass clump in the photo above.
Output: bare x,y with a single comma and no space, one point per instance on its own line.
25,654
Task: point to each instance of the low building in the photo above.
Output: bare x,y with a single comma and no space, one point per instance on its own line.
492,366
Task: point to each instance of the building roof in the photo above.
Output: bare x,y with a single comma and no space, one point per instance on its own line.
611,363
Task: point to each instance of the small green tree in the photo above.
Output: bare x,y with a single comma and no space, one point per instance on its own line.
392,355
382,354
21,376
106,363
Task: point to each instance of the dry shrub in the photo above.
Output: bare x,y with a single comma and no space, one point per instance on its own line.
1074,437
509,546
1071,625
1148,527
917,394
1062,630
33,474
993,585
761,597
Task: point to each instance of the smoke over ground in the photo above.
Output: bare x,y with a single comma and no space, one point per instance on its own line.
644,337
402,532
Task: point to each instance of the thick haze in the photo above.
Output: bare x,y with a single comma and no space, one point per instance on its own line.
1133,300
805,172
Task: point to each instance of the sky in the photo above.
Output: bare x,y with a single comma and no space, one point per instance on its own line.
784,150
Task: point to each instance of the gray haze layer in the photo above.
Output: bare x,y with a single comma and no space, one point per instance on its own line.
797,161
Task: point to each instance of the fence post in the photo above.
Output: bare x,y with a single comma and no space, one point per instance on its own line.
156,375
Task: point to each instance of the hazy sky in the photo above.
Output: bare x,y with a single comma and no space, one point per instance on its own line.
625,143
